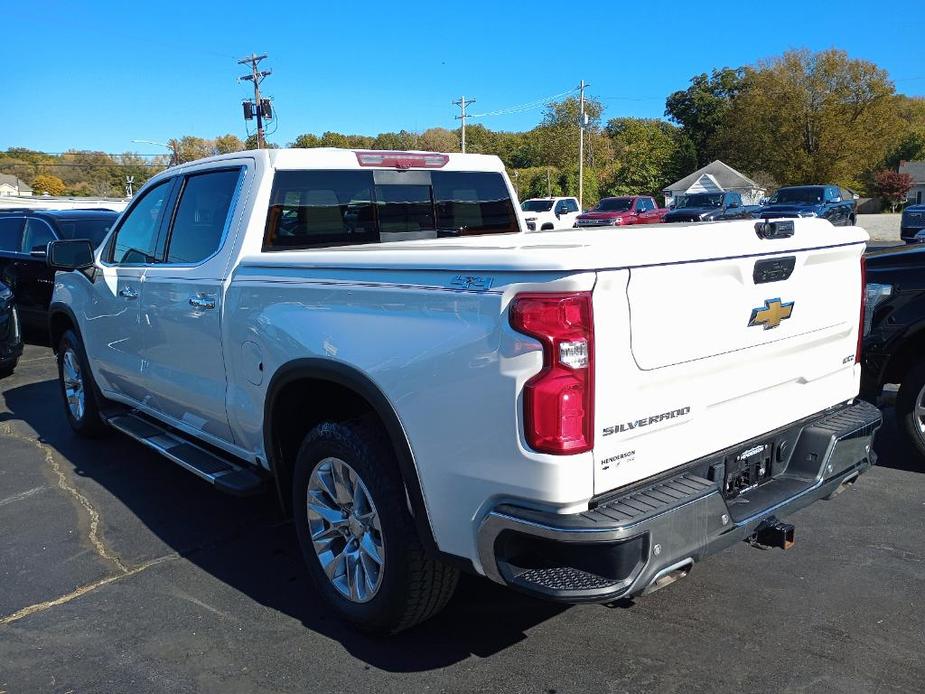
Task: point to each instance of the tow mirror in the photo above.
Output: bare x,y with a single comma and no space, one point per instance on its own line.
69,255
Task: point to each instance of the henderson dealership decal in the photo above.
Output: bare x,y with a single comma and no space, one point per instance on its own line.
646,421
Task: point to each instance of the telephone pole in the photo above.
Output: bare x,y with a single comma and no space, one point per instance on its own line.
581,143
462,103
256,76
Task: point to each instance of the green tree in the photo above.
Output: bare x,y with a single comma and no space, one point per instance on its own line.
438,140
306,141
701,108
402,140
812,118
648,155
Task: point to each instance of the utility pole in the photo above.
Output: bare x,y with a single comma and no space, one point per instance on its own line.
129,182
256,76
462,103
581,143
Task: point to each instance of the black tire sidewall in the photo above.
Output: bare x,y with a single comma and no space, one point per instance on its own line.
910,388
374,462
90,424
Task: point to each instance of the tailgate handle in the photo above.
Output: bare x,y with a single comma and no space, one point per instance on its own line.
774,269
774,230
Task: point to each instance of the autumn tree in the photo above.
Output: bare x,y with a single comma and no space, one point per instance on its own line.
811,118
438,140
893,187
226,144
46,183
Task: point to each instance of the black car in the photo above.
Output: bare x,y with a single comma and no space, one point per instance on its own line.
709,207
912,224
893,350
825,201
24,236
10,338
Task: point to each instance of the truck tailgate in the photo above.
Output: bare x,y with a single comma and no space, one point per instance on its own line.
717,352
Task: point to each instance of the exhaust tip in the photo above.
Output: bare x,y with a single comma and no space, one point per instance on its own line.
669,575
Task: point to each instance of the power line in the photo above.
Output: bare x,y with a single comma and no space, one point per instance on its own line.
519,108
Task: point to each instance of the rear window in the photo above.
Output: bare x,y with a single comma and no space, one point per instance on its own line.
309,209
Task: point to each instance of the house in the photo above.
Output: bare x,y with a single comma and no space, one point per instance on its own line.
715,177
10,185
916,169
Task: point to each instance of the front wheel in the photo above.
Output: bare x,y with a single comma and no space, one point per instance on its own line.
80,401
910,407
356,534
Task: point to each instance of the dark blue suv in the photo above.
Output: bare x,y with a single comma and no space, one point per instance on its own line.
912,225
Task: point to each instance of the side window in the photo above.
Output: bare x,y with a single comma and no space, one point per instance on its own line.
37,233
571,205
643,205
136,238
202,213
10,233
561,207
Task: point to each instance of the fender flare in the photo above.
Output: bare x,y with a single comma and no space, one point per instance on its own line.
57,308
348,377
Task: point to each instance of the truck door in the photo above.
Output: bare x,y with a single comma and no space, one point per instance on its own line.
111,327
10,243
183,366
35,280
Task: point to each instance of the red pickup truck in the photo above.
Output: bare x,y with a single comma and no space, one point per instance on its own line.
623,210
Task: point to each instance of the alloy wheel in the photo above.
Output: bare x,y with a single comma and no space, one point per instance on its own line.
345,531
73,384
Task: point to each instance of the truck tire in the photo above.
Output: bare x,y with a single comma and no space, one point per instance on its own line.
357,535
81,402
910,407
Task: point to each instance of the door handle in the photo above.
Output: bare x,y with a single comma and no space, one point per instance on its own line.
128,293
202,301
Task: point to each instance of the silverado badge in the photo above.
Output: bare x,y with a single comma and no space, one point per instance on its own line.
771,314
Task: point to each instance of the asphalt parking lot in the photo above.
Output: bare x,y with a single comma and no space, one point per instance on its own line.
120,571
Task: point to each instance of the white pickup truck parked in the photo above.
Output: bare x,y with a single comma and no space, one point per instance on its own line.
581,415
548,214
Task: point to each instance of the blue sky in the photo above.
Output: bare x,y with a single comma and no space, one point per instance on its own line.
110,72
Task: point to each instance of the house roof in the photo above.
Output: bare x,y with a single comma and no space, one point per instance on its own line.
916,169
723,174
11,180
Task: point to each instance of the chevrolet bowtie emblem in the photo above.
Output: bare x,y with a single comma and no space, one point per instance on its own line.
771,314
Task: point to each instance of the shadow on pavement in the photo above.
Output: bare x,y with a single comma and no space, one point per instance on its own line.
246,544
893,450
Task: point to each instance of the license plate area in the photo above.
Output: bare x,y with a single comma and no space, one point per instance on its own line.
747,469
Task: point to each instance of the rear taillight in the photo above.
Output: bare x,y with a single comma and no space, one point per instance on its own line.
403,160
857,352
559,400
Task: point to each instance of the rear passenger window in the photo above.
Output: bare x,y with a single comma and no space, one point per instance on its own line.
37,234
202,214
10,233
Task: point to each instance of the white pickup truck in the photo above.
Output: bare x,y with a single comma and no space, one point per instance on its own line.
581,415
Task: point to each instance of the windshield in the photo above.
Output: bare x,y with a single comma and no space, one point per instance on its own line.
93,229
536,205
614,205
702,200
808,194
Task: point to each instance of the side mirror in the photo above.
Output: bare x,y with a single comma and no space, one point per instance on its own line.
39,252
69,255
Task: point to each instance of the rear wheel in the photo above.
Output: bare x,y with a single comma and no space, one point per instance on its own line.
910,407
356,534
81,404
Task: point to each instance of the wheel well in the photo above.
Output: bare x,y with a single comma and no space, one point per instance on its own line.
59,323
546,227
904,358
298,407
